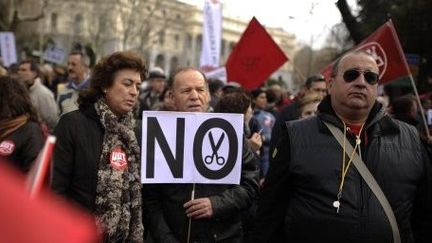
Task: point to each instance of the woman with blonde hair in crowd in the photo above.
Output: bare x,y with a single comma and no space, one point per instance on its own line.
308,104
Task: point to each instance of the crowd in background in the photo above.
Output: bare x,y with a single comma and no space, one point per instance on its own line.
35,97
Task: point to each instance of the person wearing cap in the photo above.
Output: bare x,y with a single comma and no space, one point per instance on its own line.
150,98
314,84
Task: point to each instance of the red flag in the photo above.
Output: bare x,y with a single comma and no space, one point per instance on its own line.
255,57
45,218
385,47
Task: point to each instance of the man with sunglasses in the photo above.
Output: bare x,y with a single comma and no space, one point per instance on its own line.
314,193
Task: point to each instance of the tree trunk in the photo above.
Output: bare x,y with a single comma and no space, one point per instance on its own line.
350,22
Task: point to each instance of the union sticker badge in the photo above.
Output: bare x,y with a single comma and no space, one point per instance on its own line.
7,147
118,159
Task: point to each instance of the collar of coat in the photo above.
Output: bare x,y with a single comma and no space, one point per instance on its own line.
378,122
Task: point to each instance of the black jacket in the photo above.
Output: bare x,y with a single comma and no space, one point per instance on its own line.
304,178
165,217
289,113
76,155
28,140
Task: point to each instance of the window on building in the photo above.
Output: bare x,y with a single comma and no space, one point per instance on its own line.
174,63
147,57
78,24
199,43
189,42
176,41
160,61
161,37
103,23
53,21
232,45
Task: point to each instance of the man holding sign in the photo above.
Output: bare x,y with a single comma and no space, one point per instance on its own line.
199,212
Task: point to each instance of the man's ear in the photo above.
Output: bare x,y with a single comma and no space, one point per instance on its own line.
330,85
170,94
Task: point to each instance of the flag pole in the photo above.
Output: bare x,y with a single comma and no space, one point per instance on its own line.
36,177
420,105
398,46
190,219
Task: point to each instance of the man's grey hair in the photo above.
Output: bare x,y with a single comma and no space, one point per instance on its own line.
84,57
182,69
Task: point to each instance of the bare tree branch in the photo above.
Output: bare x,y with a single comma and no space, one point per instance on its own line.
17,20
350,21
3,25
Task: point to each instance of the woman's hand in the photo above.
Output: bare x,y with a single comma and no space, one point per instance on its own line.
255,141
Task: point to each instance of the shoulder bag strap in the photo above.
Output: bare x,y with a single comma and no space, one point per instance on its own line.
370,181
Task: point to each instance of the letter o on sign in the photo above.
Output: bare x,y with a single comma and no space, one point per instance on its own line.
197,148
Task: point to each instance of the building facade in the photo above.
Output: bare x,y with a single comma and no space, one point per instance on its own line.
167,32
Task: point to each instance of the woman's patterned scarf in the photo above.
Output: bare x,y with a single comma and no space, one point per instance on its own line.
118,192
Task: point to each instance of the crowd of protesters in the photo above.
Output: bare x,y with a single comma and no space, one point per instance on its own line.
295,185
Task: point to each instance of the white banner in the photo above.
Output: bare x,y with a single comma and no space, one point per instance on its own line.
218,73
212,34
185,147
8,50
54,54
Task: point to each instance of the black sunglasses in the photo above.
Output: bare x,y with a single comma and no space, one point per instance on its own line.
352,74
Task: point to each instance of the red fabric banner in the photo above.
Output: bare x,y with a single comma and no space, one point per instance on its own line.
385,47
41,219
255,57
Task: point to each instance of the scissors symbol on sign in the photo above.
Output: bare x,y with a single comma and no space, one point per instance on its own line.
210,158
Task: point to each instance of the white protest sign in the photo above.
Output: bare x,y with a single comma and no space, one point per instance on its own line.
8,49
218,73
183,147
54,54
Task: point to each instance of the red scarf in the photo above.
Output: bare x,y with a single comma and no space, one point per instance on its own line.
355,130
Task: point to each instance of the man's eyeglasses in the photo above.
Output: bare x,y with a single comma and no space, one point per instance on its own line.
352,74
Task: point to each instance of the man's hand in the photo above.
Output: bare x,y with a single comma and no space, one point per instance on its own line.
199,208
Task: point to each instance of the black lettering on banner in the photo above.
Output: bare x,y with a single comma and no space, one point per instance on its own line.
154,132
197,148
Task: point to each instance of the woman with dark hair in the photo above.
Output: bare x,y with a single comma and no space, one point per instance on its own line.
21,136
266,121
97,156
165,102
239,102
